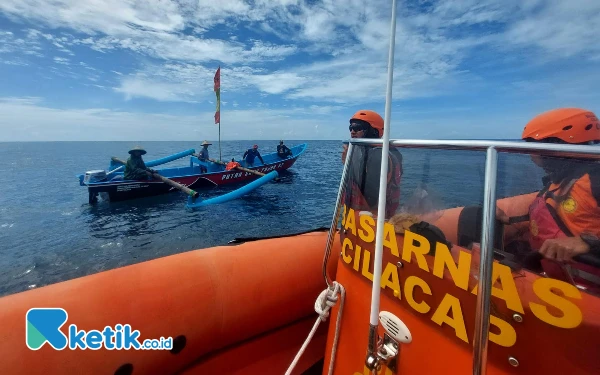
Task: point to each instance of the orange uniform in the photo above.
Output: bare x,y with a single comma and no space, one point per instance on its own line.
579,209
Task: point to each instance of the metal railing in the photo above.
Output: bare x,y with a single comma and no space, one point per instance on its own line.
482,317
336,215
549,149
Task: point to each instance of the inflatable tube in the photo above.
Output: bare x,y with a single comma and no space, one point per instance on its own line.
252,357
512,206
207,300
193,204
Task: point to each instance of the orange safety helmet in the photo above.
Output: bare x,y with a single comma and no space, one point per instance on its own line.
571,125
372,118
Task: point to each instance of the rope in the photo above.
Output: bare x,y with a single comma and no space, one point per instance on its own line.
326,300
338,324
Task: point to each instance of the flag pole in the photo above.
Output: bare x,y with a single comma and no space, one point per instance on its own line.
220,158
217,88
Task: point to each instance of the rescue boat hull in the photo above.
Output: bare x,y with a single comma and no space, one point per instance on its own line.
538,325
235,308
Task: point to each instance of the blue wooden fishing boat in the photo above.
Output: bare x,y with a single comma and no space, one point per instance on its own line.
197,175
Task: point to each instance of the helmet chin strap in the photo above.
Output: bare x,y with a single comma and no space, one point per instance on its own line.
371,133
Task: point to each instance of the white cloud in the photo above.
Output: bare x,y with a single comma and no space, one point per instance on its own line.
425,63
560,28
168,82
154,28
40,123
111,17
12,44
86,66
188,48
327,54
61,60
187,82
138,87
276,83
15,62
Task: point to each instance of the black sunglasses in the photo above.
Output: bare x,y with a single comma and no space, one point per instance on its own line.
357,127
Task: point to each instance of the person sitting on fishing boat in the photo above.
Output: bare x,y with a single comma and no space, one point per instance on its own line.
366,166
232,165
251,154
135,168
283,151
564,219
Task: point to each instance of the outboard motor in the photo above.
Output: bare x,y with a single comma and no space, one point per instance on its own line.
94,176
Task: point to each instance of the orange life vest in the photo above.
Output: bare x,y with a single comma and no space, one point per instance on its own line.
231,165
566,213
355,191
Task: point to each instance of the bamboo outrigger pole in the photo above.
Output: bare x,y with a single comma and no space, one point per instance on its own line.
173,184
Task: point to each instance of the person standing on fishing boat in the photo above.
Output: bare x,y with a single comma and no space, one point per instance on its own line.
135,168
366,167
283,151
251,154
232,165
564,219
203,155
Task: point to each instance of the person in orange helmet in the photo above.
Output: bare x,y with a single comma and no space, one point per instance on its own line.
564,219
366,166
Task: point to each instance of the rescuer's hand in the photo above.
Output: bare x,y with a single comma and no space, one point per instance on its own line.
501,215
563,249
344,152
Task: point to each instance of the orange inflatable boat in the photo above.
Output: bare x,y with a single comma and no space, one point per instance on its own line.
248,307
222,306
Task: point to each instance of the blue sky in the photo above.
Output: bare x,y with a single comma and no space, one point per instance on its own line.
292,69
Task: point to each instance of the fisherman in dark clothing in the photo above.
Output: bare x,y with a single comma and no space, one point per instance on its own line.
251,154
135,169
204,151
203,155
283,151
